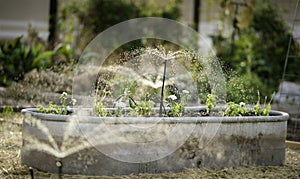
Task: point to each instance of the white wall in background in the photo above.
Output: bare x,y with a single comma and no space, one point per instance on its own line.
16,15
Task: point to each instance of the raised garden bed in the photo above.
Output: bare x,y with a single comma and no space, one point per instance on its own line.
213,142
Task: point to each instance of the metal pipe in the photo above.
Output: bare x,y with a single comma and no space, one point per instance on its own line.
58,163
162,89
31,172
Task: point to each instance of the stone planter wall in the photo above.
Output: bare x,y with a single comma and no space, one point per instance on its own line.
214,142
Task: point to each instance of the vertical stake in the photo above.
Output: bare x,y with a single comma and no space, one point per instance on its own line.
31,172
162,89
58,163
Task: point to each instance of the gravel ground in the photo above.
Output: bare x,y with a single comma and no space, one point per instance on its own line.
10,162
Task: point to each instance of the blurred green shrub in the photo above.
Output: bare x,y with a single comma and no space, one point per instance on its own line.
259,50
94,16
7,110
244,88
17,58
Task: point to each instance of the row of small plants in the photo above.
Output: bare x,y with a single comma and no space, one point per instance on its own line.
174,108
240,109
143,108
55,109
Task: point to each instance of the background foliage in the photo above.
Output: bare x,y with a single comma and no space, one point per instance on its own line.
94,16
18,57
258,52
253,58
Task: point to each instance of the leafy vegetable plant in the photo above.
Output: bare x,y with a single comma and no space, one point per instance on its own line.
100,109
177,108
54,109
142,109
234,109
211,102
265,109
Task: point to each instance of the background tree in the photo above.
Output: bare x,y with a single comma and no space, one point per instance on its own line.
259,49
94,16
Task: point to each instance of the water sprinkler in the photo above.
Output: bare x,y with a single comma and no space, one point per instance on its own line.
59,165
162,89
31,172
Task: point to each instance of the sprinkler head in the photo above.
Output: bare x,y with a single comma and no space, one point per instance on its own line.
31,172
58,163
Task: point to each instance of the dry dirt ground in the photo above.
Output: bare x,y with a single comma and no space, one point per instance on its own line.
10,162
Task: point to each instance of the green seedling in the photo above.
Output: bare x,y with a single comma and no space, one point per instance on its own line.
265,109
118,112
142,109
211,103
100,109
51,109
54,109
234,109
177,108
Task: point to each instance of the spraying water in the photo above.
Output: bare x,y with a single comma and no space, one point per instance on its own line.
152,75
